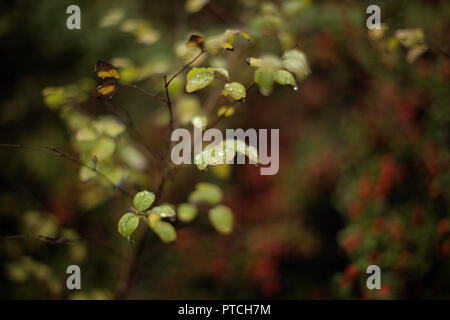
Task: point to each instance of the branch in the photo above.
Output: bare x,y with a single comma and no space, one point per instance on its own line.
52,151
143,91
50,240
133,130
185,67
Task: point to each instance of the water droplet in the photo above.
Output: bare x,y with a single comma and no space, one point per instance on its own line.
295,88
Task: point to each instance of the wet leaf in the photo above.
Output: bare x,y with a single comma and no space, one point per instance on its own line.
295,61
143,200
164,211
127,224
198,78
235,90
284,77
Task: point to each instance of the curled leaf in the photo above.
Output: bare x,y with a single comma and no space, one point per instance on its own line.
196,40
104,69
106,90
284,77
296,62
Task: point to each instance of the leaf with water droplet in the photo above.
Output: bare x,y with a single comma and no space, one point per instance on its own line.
143,200
127,224
235,90
198,78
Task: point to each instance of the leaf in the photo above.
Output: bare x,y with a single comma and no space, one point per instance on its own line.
104,69
143,200
165,231
253,62
112,17
106,90
222,219
86,134
196,40
186,108
199,121
132,157
103,148
264,79
222,71
164,211
54,97
296,62
193,6
249,151
284,77
86,174
187,212
410,37
152,219
198,78
109,126
216,155
235,90
206,192
127,224
226,111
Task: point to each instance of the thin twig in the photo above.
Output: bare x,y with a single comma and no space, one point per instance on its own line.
185,67
143,91
52,151
50,240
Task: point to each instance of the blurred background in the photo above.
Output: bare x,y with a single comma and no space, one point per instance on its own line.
364,151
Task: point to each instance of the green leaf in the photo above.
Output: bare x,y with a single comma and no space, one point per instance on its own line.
54,97
284,77
187,212
143,200
86,134
235,90
296,62
165,231
198,78
249,151
264,79
103,148
86,174
186,108
110,126
127,224
206,192
221,218
164,211
222,71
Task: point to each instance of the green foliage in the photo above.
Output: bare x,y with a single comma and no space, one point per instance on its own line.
127,224
235,90
198,78
187,212
164,211
222,219
143,200
165,231
206,192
